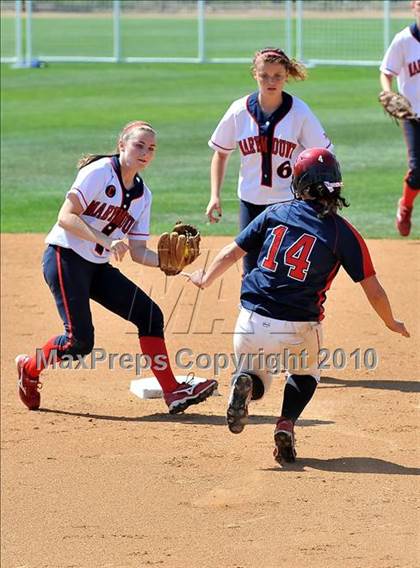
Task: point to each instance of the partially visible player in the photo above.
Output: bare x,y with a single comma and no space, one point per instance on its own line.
301,246
270,127
107,204
402,60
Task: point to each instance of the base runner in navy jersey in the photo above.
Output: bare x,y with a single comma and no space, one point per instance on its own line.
301,246
270,127
108,204
402,61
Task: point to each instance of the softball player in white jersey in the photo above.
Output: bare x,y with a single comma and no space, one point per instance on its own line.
107,203
271,128
402,60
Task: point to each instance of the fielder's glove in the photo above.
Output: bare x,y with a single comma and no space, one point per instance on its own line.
397,105
178,248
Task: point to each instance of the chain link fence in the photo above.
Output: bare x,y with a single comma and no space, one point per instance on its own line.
315,31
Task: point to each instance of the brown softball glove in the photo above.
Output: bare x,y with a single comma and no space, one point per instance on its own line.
178,248
397,106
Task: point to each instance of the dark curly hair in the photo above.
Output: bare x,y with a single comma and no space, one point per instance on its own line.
329,199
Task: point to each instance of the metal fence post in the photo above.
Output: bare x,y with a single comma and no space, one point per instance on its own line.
201,30
117,30
387,18
299,16
28,38
18,34
288,26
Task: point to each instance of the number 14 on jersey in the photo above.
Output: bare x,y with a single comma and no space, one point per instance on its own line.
296,255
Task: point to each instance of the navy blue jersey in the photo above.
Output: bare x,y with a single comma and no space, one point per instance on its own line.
300,255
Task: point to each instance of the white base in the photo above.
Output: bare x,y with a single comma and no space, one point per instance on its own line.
150,388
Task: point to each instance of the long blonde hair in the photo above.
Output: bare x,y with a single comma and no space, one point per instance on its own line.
127,132
275,55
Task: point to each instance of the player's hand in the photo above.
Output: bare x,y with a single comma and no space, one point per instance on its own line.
398,327
214,207
197,278
118,249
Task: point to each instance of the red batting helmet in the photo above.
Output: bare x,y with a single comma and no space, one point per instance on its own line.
316,174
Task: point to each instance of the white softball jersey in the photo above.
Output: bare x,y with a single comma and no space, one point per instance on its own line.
108,208
402,60
268,144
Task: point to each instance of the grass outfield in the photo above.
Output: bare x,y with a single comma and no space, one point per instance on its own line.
53,115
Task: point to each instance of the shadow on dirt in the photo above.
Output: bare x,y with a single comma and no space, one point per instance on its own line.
396,385
348,465
187,418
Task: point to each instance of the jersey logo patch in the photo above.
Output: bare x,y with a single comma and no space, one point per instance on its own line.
110,191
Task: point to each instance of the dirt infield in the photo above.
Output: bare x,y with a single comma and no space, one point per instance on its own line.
101,479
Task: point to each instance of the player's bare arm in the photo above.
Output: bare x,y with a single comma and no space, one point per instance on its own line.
230,254
379,301
217,175
141,254
386,81
70,220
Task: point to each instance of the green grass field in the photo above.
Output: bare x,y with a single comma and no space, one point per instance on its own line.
51,116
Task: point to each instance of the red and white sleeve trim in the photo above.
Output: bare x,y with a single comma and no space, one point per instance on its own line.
219,148
82,199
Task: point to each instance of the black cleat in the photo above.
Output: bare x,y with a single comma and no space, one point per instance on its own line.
237,412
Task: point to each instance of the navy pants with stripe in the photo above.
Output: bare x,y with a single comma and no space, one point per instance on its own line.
75,281
411,130
247,213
